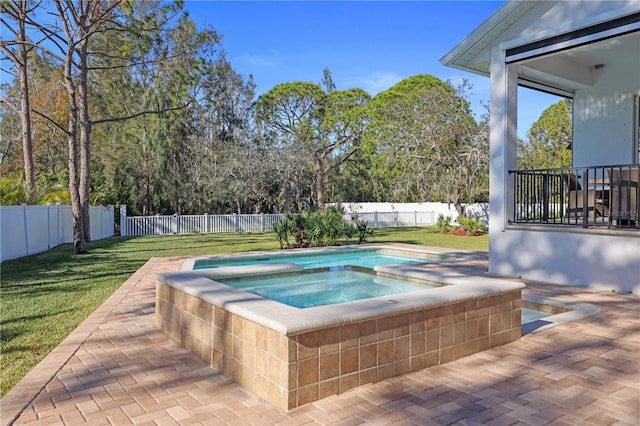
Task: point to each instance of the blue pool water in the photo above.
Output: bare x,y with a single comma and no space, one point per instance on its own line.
529,315
325,286
363,259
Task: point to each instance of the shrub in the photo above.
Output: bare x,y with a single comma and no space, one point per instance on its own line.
299,224
444,224
361,229
322,228
292,226
331,226
283,232
472,226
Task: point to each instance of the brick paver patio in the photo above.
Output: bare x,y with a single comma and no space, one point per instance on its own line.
117,368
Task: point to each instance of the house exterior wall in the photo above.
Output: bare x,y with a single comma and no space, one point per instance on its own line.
599,122
602,117
606,262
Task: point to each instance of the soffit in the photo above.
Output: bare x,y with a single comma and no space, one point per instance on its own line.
472,53
583,66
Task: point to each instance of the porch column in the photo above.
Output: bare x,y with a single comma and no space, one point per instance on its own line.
503,139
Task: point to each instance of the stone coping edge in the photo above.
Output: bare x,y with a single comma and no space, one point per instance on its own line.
575,311
291,321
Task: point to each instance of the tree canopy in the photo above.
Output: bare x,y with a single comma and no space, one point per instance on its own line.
425,145
322,130
131,103
549,139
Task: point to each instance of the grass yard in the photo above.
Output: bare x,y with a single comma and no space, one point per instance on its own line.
45,296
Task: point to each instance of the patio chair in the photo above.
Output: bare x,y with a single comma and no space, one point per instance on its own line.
623,183
575,207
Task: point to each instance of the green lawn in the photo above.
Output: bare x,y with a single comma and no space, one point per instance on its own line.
46,296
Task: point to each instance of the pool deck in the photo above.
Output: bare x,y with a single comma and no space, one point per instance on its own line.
118,368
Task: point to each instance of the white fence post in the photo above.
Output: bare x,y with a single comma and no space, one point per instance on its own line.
101,222
206,223
26,228
49,226
110,224
123,220
59,213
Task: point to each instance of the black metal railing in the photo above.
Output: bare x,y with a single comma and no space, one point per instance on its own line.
578,196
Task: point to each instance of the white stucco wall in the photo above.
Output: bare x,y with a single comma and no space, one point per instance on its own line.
605,262
603,129
603,117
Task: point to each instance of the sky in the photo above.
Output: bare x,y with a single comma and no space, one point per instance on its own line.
370,45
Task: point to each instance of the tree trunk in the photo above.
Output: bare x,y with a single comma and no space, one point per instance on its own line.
422,191
146,205
319,183
78,228
25,109
85,135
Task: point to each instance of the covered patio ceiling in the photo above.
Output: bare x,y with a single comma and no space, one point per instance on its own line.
581,67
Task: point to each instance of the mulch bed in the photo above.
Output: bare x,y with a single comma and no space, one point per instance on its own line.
464,233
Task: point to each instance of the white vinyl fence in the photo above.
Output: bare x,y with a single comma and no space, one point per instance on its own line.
28,230
475,210
206,223
196,224
395,219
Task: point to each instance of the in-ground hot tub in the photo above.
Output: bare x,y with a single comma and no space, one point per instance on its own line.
292,356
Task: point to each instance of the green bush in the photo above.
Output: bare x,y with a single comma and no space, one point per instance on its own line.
361,228
472,226
444,224
322,228
283,232
292,226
